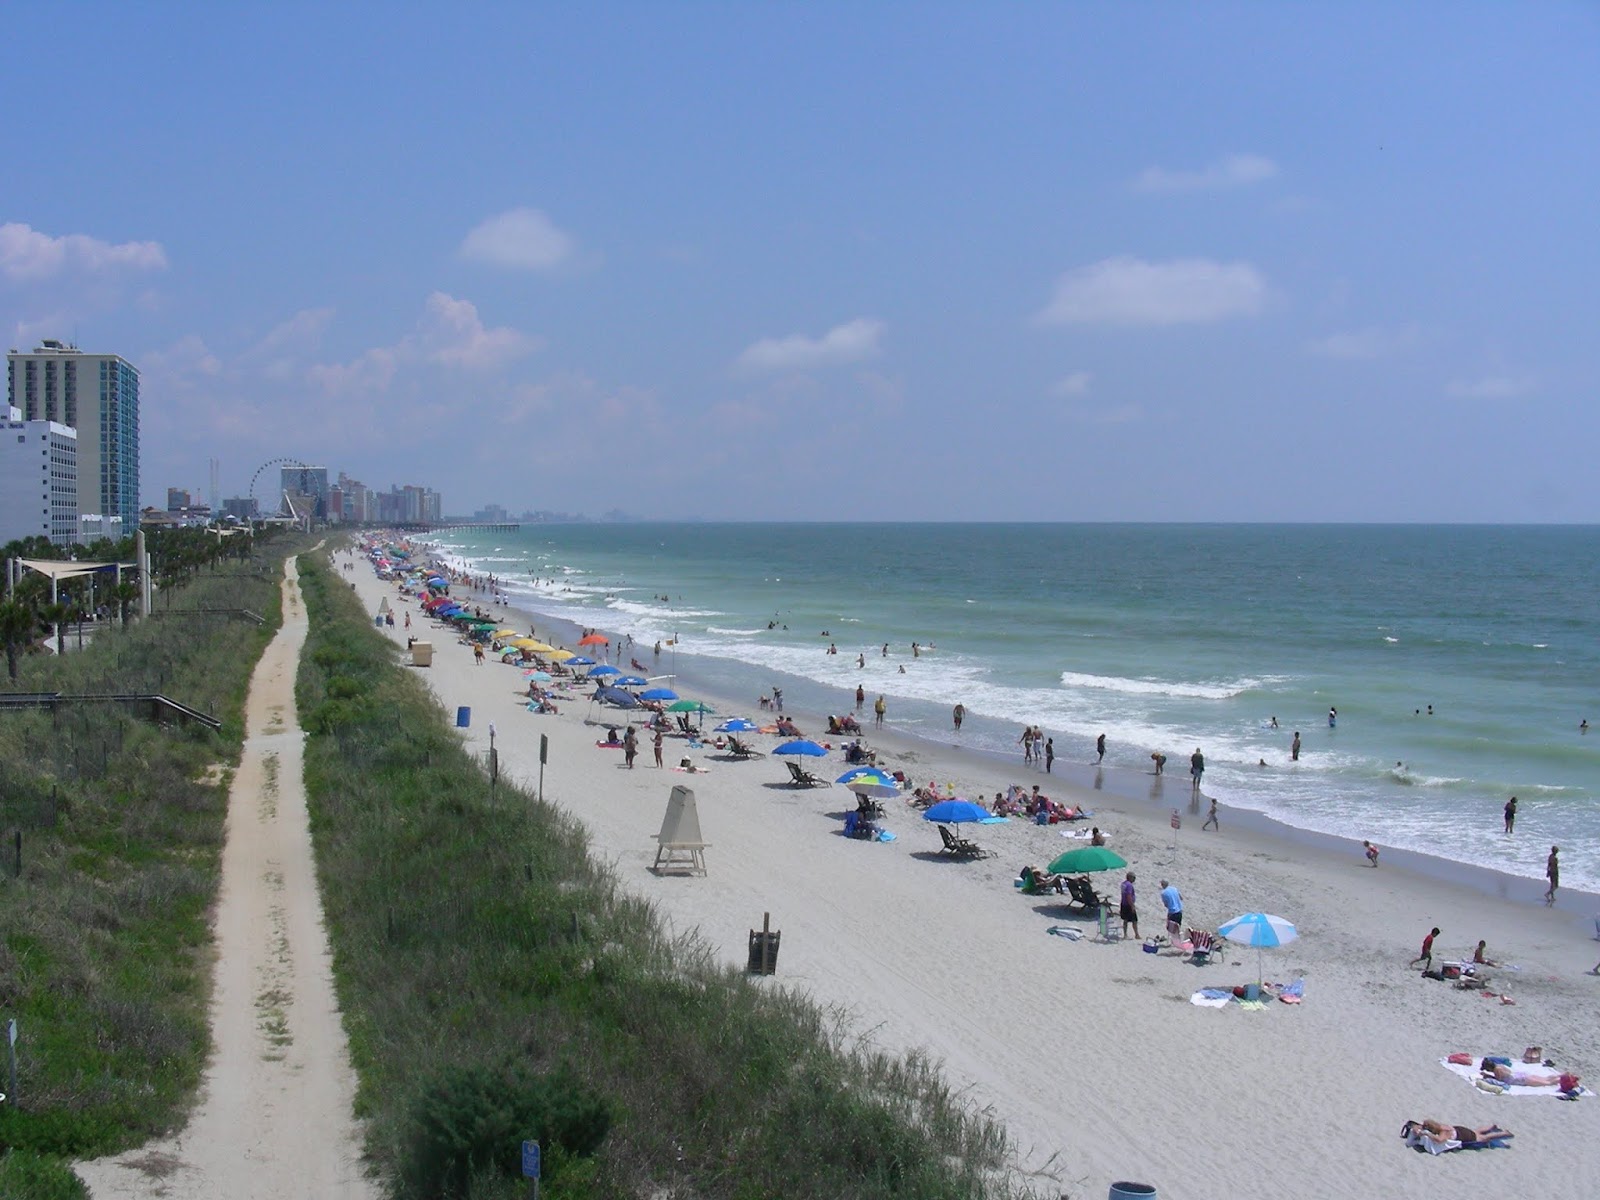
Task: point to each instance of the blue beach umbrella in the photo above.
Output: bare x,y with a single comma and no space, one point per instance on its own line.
737,725
657,693
954,812
578,660
879,773
1258,930
629,681
604,670
802,746
616,697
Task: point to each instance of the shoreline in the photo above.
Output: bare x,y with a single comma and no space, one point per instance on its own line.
1160,792
911,951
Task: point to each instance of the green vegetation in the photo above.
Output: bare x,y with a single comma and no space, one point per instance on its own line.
497,984
104,941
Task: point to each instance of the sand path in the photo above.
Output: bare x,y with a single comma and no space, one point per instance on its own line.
276,1113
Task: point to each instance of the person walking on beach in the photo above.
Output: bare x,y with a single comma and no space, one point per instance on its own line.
1511,814
1197,767
477,652
1294,747
1211,818
1129,908
1099,749
657,745
777,698
630,746
956,714
1049,754
1552,872
1426,957
861,696
1172,900
1027,744
878,709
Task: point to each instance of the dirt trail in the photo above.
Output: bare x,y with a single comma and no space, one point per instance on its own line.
275,1120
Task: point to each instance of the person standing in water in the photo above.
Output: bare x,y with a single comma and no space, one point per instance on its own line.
861,696
1099,748
878,709
1511,815
956,715
1197,767
1552,872
1333,717
1294,747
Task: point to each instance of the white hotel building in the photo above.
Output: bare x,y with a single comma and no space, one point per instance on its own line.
38,480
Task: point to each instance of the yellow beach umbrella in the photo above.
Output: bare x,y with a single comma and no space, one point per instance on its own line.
506,633
540,647
523,643
561,655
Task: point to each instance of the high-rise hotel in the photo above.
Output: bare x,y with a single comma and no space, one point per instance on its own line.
98,395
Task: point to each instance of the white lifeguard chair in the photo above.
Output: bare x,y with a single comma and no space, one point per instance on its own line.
679,846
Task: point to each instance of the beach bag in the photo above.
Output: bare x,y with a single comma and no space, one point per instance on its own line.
1460,1059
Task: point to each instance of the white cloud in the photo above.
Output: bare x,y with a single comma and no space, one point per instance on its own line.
27,254
453,335
450,333
1492,387
1131,291
184,360
1375,342
847,343
1076,384
523,238
1233,170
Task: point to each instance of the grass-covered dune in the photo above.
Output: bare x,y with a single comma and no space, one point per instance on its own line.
104,935
498,984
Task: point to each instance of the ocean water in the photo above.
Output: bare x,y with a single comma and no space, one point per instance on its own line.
1163,638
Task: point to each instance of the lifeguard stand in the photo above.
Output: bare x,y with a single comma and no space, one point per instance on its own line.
679,846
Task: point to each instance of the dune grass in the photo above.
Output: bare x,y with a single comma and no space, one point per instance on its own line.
104,937
498,984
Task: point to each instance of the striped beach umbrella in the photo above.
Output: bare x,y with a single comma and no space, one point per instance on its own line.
1258,930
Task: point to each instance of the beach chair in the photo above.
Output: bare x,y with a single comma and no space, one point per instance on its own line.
739,750
1203,946
683,725
800,777
1083,893
959,846
857,826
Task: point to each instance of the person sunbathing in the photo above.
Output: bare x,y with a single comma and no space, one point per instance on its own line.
1529,1076
1440,1133
788,728
1035,880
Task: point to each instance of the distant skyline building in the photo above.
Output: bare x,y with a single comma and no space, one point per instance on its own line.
178,498
38,480
97,395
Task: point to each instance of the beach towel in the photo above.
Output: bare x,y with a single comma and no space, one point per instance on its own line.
1471,1072
1418,1142
1065,931
1082,835
885,835
1293,993
1212,998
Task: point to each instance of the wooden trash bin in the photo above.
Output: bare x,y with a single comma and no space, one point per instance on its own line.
764,948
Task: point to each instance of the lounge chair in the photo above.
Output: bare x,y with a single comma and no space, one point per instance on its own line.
684,726
739,750
858,826
1083,893
1203,946
800,777
959,846
1038,883
868,807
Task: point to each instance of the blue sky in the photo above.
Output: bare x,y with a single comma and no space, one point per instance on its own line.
1029,262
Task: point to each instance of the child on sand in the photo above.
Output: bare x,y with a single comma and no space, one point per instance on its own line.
1372,853
1426,957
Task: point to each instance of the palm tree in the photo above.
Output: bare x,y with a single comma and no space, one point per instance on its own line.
18,624
57,614
124,594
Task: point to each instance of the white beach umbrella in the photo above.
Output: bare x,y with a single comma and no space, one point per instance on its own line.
1258,930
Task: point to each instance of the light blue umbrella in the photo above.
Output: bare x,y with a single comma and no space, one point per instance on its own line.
605,670
1258,930
656,693
537,676
879,773
737,725
802,746
955,812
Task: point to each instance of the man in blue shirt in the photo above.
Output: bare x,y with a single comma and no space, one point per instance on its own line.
1174,906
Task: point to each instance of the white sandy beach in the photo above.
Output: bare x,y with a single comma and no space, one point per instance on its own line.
1091,1053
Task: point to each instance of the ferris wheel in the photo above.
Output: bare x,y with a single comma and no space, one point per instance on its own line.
263,509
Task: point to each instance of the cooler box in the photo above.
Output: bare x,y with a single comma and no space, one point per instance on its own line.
422,654
463,717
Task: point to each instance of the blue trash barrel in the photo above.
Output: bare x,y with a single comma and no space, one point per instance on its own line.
1131,1191
463,717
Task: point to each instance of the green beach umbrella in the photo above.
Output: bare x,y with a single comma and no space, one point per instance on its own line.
699,706
1084,859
